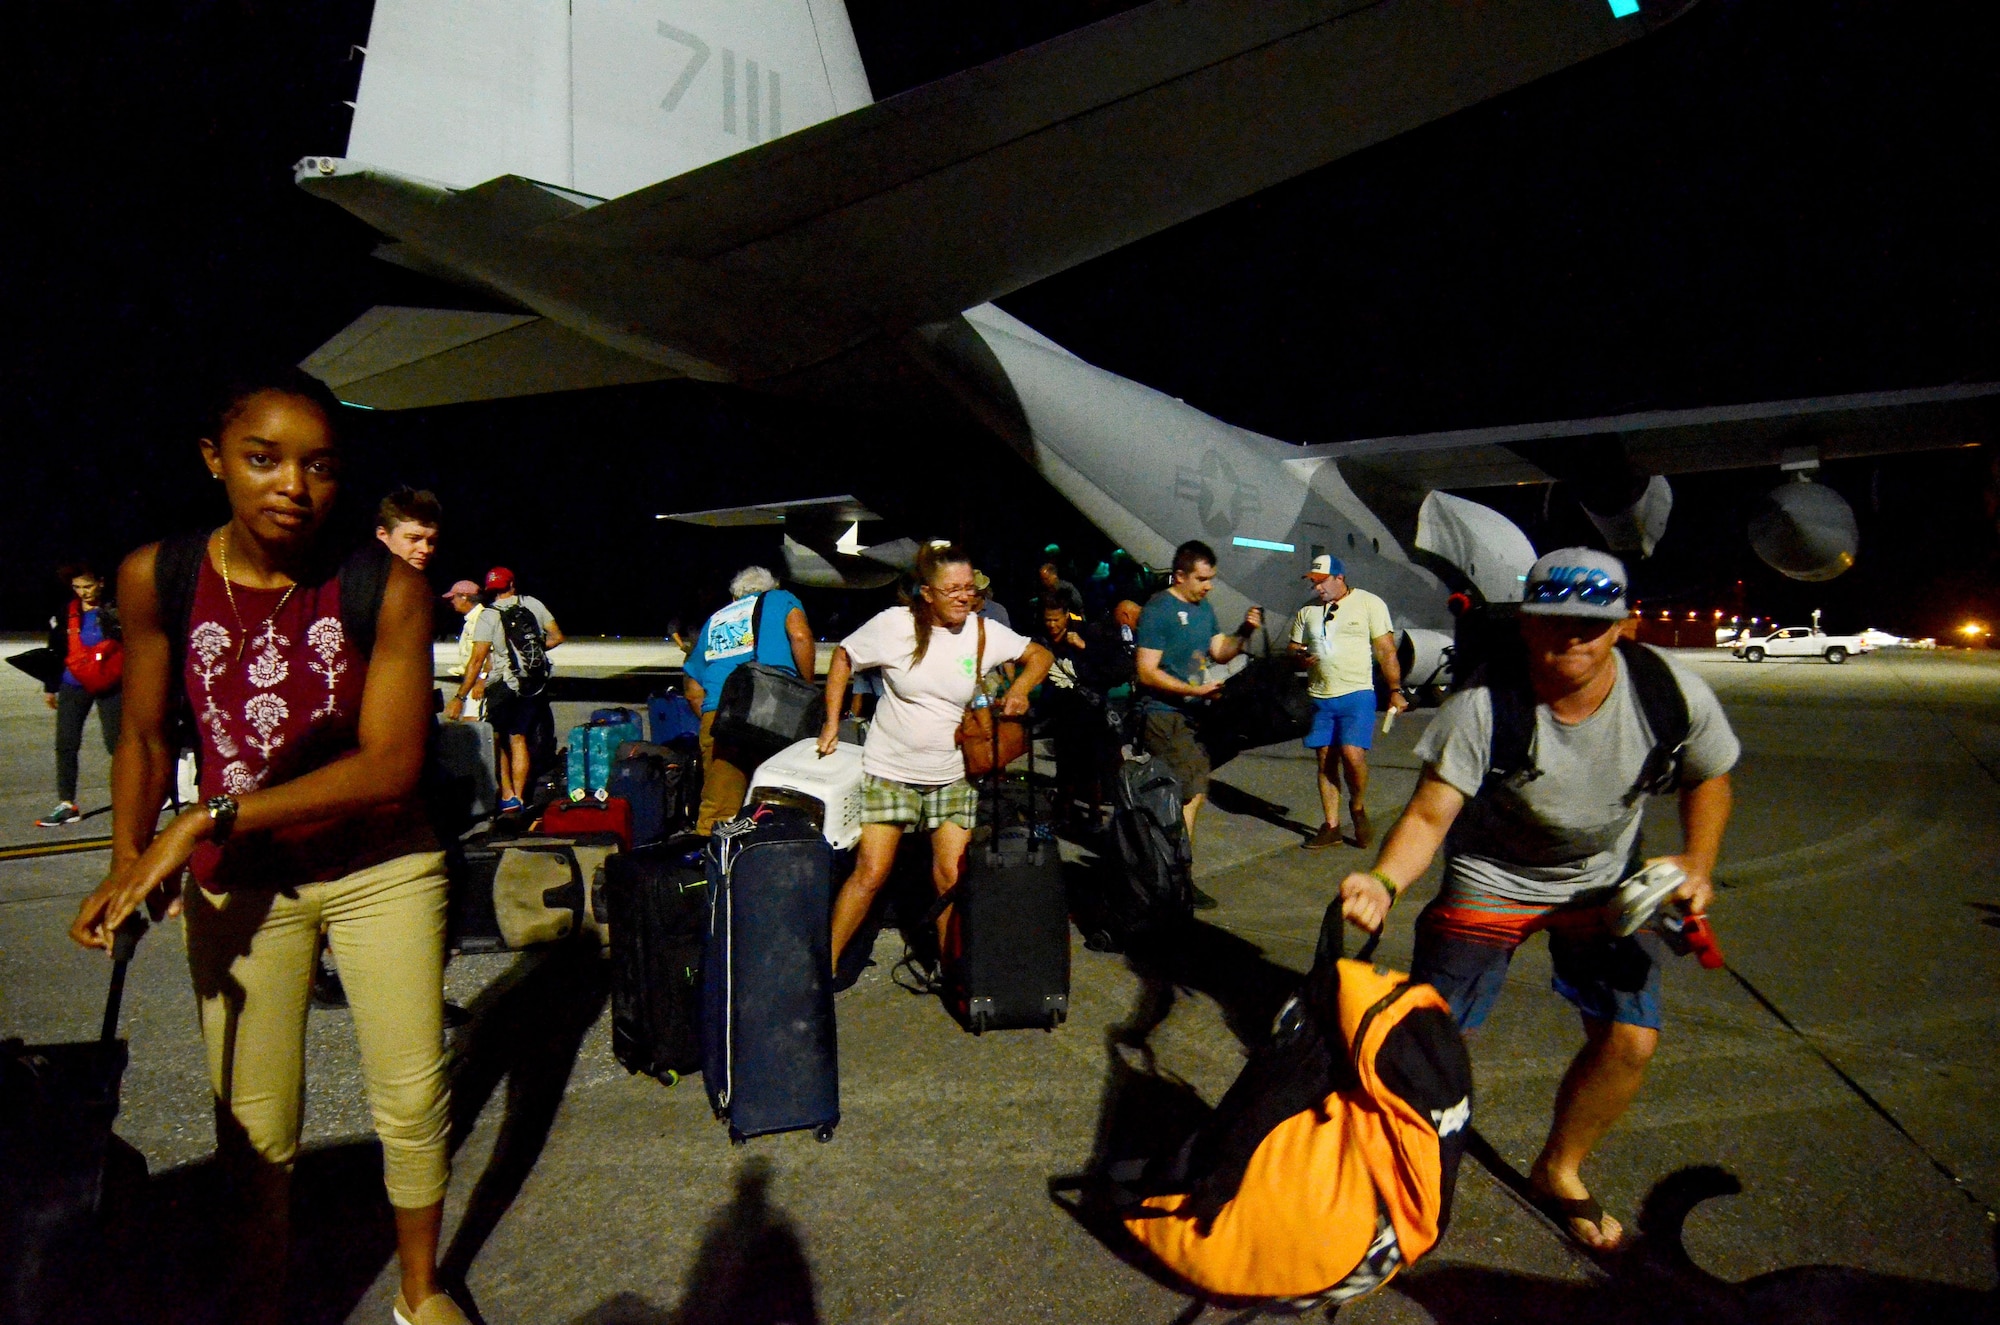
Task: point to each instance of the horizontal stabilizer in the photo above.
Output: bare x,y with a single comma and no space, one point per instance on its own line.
815,510
410,358
900,553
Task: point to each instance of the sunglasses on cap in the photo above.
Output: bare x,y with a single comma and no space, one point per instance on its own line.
1596,589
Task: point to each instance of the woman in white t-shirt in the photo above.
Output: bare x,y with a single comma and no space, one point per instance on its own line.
928,660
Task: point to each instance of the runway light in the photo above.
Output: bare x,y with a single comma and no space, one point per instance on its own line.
1263,545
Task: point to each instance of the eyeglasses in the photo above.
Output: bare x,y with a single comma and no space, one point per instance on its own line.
1594,588
954,590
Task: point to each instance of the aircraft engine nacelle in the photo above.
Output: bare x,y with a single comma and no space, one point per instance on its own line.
1635,520
1805,530
1426,659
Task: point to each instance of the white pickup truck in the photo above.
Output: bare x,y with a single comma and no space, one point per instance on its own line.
1801,642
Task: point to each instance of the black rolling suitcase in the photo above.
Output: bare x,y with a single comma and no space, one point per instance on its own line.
57,1103
1007,947
769,1056
658,910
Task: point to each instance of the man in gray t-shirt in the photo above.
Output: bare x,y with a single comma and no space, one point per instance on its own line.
1544,852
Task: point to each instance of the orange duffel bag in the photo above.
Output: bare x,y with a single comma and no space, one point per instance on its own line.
1329,1165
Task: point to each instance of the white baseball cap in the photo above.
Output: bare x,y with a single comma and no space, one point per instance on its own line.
1577,581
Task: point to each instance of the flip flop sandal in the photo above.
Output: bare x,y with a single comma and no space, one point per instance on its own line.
1562,1209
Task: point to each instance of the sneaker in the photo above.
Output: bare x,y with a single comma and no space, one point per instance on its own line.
327,991
437,1309
1364,832
1640,896
1202,901
65,812
1327,836
511,805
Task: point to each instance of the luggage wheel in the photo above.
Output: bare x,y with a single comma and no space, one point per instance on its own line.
823,1133
737,1138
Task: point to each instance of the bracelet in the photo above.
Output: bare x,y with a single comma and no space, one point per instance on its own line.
1395,889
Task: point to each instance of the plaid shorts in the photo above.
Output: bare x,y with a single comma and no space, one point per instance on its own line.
886,802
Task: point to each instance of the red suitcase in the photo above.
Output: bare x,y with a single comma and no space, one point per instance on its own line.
573,818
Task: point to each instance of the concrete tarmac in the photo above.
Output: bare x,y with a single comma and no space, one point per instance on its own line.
1858,901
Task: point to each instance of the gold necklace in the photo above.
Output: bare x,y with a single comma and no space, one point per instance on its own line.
242,631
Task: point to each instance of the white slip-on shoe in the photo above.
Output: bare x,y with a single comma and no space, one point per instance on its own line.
437,1309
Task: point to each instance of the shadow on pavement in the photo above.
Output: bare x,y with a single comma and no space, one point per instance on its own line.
1657,1283
750,1269
171,1232
528,1033
1234,800
1201,958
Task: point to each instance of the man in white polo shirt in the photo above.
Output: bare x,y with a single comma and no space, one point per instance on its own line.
1338,636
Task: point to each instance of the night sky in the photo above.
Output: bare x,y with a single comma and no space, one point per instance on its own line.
1765,200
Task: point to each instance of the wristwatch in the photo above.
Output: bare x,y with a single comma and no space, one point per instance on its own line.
221,813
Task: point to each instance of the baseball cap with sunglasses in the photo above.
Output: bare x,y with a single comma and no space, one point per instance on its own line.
1579,582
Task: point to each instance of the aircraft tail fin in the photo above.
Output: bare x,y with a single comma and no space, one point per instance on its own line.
596,96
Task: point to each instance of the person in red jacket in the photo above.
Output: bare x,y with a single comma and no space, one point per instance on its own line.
85,636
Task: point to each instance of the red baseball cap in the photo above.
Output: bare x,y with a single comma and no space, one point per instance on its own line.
499,579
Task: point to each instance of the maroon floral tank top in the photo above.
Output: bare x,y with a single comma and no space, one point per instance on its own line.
275,695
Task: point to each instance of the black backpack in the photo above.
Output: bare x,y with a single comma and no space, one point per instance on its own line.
177,568
1155,888
527,646
1510,762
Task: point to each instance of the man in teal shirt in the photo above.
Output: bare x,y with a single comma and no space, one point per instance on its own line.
1177,640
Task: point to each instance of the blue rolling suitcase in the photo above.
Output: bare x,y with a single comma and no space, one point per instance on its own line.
652,779
593,748
769,1057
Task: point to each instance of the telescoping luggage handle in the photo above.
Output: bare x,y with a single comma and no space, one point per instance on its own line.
725,846
124,942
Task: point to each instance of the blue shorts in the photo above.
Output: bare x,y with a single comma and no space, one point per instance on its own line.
1347,719
1465,942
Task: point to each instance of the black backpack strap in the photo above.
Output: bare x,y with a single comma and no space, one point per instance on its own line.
1510,759
1666,712
176,568
363,577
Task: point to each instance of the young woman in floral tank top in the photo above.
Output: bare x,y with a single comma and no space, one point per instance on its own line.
310,754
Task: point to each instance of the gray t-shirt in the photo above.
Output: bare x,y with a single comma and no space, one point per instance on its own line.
1568,830
489,630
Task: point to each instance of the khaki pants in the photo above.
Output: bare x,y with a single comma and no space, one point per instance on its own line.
723,784
252,953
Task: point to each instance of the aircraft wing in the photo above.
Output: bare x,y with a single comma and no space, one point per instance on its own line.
911,210
405,358
817,511
1769,433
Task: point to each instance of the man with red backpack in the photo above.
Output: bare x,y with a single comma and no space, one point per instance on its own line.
86,637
